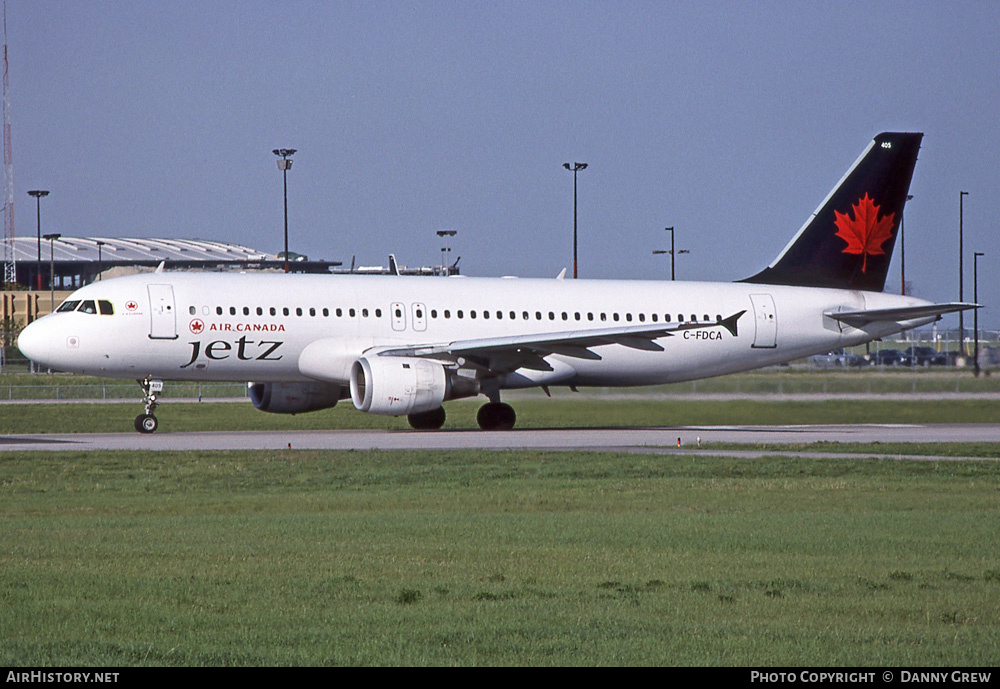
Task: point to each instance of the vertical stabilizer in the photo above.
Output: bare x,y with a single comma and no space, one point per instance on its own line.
847,242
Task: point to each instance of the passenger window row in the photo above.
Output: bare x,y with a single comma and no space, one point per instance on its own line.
576,316
473,314
286,311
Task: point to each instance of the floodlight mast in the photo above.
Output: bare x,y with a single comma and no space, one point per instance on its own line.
673,252
39,194
575,168
285,164
975,300
446,249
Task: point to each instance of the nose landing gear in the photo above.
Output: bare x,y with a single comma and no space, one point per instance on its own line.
147,423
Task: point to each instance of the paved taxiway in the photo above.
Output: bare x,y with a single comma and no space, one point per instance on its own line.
627,439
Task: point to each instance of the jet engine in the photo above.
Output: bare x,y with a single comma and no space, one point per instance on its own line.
394,386
295,398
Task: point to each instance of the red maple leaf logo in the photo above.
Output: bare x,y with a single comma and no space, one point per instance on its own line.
866,232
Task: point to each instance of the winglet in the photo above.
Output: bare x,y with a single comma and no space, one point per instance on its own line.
730,323
393,269
561,275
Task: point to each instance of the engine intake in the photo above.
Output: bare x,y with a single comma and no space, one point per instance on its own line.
394,386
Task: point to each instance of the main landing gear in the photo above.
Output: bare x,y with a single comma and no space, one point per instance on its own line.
493,416
496,416
427,420
147,423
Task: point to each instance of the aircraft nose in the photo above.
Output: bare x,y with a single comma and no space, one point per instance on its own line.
35,342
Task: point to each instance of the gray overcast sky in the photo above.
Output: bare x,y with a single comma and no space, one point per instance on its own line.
728,120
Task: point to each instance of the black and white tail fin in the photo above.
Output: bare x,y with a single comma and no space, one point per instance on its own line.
847,242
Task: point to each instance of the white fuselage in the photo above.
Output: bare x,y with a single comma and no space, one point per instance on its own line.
253,327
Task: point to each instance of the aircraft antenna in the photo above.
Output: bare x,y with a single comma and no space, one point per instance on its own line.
9,261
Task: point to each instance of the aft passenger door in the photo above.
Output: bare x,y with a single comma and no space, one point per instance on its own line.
765,322
162,315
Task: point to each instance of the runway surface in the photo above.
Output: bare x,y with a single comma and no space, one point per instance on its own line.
663,439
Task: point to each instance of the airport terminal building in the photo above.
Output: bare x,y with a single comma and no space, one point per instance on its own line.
48,270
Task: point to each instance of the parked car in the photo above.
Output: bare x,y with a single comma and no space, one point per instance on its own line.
924,356
888,357
836,359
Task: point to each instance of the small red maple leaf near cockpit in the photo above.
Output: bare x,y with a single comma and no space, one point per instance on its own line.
865,233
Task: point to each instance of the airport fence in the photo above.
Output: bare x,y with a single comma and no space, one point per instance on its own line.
120,391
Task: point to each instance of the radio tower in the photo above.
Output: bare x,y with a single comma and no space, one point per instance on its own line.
9,264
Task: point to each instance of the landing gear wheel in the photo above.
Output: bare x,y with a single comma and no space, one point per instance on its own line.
496,416
146,423
427,420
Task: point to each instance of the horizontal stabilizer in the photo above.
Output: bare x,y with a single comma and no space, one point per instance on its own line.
905,313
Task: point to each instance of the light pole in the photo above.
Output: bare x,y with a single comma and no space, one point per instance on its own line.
961,281
38,194
285,164
671,251
975,298
445,249
574,168
52,273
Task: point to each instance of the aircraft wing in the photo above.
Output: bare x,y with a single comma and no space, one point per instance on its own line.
906,313
504,354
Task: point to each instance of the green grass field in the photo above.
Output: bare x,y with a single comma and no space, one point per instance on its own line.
776,380
559,412
115,559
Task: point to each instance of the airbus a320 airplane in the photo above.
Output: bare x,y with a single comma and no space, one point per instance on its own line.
404,345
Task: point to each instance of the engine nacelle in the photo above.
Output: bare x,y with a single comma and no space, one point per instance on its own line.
395,385
295,398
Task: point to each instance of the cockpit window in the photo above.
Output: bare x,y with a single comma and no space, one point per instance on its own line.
68,306
106,308
88,307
